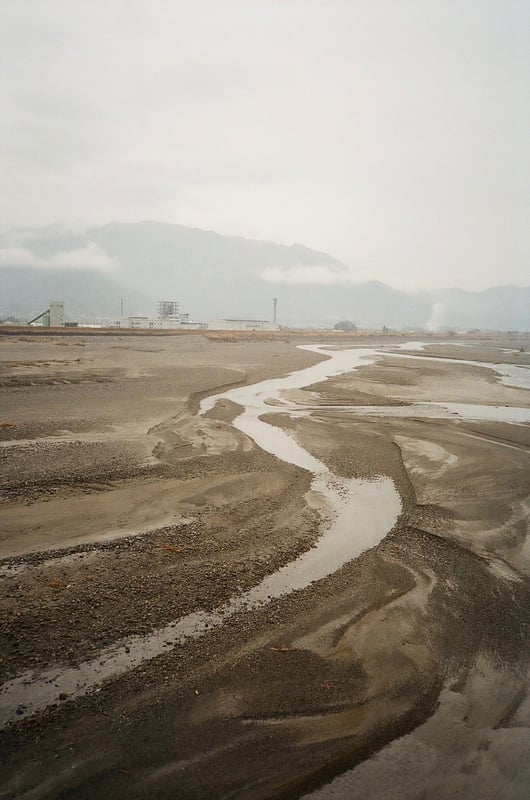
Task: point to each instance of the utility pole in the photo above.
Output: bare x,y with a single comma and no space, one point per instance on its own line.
275,309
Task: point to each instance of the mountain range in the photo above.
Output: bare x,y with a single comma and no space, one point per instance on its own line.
95,269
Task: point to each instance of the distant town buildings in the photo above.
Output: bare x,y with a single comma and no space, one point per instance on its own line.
169,318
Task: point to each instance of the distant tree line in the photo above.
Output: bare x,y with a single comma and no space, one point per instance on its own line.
345,325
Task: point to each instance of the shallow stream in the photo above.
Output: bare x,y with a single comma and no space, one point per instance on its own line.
355,516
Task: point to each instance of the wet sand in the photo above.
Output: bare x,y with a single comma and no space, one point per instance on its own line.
125,512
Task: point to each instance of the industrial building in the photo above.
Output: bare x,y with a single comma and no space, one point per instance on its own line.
53,317
169,318
248,324
157,324
243,325
169,309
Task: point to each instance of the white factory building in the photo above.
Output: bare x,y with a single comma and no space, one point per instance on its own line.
53,317
169,318
237,324
243,325
157,324
56,314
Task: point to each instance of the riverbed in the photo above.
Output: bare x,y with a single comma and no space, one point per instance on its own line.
293,552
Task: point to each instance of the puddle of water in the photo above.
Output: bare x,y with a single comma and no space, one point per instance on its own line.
413,346
8,570
509,374
512,375
512,414
474,745
490,413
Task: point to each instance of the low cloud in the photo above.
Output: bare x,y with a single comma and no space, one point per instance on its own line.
88,257
303,274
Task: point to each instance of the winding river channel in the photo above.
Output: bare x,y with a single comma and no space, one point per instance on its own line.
355,516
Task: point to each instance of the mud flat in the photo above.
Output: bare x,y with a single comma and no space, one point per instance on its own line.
220,581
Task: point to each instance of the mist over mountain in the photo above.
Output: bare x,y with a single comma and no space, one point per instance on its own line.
87,294
214,276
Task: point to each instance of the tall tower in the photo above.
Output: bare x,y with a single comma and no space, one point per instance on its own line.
56,314
275,310
168,309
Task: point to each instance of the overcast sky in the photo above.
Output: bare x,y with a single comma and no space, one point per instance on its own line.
391,133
